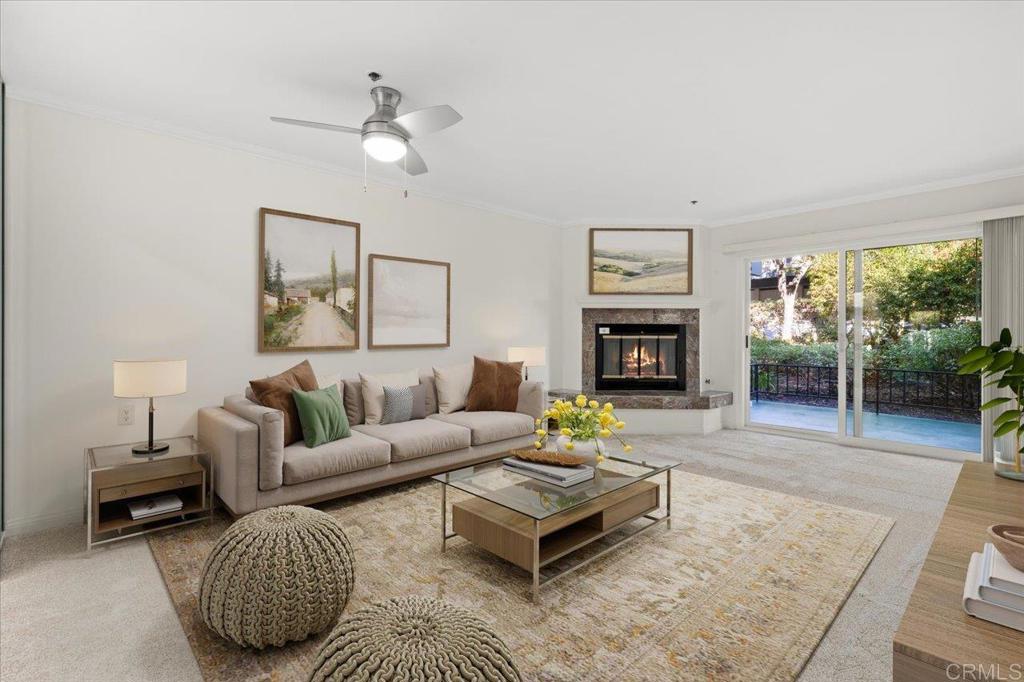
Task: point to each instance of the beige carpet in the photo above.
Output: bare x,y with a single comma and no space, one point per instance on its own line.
743,586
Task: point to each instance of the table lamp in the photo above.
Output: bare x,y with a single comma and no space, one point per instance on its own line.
149,379
530,356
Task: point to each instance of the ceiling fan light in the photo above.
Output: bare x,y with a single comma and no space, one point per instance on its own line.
384,146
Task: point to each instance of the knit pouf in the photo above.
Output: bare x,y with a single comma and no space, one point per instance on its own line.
414,639
277,575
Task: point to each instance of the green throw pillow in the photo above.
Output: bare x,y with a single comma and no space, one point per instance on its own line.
322,417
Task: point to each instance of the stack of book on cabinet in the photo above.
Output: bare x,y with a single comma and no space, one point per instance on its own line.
994,589
154,506
550,473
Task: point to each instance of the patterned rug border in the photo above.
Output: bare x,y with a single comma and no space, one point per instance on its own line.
869,545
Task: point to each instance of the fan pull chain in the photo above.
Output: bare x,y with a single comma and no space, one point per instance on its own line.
364,170
405,167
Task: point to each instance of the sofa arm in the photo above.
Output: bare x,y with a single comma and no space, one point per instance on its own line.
271,442
233,442
531,399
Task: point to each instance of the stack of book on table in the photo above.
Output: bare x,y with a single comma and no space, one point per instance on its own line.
154,506
550,473
994,589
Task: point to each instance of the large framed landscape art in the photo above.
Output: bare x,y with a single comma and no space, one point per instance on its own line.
308,282
641,261
410,303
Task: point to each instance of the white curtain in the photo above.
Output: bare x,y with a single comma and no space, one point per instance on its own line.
1002,302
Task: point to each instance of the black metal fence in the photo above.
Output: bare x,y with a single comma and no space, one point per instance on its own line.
896,387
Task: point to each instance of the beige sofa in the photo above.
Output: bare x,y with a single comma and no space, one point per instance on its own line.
254,469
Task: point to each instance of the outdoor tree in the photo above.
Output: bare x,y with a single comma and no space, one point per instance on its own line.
334,280
791,273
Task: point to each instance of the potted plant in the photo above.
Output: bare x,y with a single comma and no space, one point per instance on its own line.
582,426
1004,364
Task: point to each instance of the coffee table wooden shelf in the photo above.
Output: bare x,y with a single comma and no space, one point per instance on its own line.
532,524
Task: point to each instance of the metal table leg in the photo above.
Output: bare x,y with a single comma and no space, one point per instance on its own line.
444,517
536,560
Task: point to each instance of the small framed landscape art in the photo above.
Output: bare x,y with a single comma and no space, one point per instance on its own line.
641,261
308,282
410,303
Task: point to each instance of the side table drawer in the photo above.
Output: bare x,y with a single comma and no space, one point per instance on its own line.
149,487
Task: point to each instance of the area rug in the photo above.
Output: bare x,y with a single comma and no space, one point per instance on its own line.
741,587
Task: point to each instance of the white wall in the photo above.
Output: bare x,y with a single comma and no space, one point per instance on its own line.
913,217
124,243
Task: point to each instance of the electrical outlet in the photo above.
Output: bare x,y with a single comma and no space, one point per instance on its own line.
126,415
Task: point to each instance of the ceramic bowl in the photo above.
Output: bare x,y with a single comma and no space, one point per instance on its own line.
1009,540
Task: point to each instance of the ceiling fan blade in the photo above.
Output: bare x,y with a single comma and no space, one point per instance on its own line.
314,124
412,163
429,120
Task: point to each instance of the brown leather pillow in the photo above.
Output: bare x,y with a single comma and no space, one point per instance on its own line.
495,386
276,392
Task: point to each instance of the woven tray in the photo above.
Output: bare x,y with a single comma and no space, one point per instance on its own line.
549,457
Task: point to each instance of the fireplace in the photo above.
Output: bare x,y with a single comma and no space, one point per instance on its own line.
640,357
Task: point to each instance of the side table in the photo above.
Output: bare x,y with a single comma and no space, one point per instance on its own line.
114,477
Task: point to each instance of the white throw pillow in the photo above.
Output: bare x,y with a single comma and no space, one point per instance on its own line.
373,390
453,386
323,381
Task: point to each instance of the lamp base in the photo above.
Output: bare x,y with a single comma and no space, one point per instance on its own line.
143,449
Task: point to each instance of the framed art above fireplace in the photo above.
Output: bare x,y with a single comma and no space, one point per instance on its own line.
650,261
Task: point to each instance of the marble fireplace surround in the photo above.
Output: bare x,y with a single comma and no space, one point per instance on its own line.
691,398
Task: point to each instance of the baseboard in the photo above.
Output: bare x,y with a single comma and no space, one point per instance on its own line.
34,524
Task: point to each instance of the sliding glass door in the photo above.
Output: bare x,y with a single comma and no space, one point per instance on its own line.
917,308
863,343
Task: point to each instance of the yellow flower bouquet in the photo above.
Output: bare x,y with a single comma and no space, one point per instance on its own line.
582,424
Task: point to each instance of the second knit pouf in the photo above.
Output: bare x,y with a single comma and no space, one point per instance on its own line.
276,576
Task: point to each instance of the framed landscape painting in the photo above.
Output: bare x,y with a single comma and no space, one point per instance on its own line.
309,280
641,261
410,303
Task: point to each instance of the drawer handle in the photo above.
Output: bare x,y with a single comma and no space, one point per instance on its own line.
124,491
181,481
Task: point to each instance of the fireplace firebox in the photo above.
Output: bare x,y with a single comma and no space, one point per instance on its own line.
640,357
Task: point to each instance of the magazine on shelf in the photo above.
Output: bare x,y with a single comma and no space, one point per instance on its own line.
980,608
153,506
1001,583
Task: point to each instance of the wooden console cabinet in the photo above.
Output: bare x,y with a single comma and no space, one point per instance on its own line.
936,639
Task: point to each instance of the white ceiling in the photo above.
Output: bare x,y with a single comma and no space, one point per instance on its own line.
574,112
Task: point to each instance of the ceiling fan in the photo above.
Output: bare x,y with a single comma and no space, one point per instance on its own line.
385,134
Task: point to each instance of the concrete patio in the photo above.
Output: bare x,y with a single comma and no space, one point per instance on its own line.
934,432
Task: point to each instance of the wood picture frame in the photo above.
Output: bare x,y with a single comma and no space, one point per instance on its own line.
617,275
392,305
294,319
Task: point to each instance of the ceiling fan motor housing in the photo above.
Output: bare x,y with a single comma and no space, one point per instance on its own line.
385,110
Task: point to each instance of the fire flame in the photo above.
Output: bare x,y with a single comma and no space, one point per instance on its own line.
648,362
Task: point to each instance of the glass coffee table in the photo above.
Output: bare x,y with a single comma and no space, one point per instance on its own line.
533,524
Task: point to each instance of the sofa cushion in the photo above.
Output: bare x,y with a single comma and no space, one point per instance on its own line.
373,391
419,438
495,386
276,392
452,386
356,452
353,399
488,427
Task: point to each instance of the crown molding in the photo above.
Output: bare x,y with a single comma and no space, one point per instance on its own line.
162,128
963,181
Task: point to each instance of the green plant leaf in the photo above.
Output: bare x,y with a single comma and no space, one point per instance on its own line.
994,402
975,366
1002,360
1005,337
1008,416
975,353
1005,429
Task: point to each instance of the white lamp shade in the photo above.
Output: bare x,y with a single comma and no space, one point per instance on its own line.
148,378
530,356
